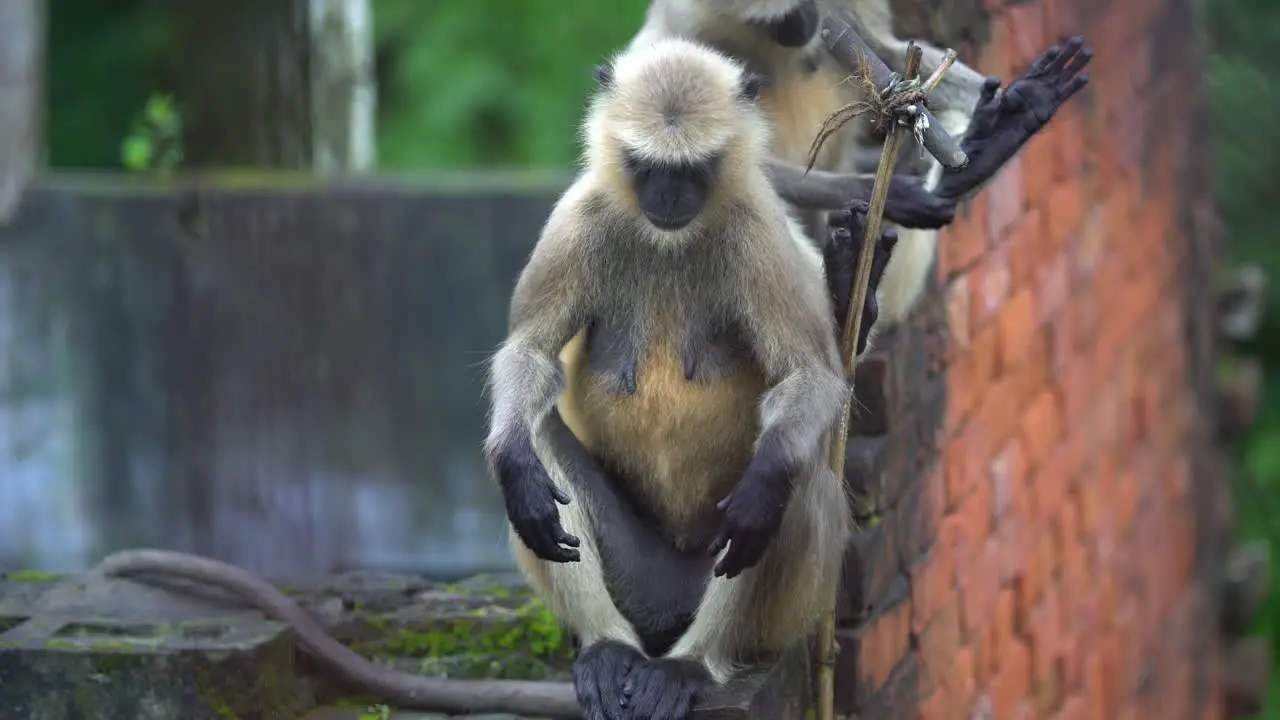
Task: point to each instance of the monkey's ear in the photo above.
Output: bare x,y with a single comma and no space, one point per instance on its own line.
604,76
752,84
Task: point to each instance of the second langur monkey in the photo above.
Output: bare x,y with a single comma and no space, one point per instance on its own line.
706,389
804,85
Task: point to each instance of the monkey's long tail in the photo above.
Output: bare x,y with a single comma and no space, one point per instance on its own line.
400,689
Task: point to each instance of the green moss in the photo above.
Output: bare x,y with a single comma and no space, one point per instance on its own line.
530,644
30,576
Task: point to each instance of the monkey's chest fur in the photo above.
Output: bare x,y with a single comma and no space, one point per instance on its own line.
668,401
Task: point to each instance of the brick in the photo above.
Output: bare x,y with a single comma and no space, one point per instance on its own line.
884,641
1043,631
1005,193
1052,287
938,643
1014,538
1069,139
994,58
1066,209
1003,623
1093,692
1008,473
990,283
1026,246
1012,684
1041,426
958,313
964,242
933,586
1039,166
979,589
1016,326
1074,708
1026,29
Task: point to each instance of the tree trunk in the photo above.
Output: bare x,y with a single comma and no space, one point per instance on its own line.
22,43
277,83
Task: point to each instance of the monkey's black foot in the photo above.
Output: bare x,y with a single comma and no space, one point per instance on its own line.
1003,123
665,688
847,231
910,205
796,28
599,676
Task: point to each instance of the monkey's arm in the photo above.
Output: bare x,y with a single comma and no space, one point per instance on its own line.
790,330
909,204
547,308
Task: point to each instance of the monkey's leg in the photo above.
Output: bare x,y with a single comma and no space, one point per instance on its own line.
576,593
760,613
632,551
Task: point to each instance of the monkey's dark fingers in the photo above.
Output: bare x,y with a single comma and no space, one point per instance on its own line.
1070,48
744,552
1077,63
1076,85
565,538
1045,63
559,495
721,541
989,88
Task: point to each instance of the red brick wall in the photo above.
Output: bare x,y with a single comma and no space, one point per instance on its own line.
1039,543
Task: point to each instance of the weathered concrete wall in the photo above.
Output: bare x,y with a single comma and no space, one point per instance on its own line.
275,373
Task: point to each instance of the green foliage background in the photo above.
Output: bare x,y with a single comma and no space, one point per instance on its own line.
482,83
461,83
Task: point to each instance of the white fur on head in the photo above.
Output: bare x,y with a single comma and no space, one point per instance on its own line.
751,9
674,101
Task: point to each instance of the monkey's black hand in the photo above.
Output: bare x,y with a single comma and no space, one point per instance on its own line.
531,498
910,205
796,28
1003,124
599,675
848,230
752,513
665,688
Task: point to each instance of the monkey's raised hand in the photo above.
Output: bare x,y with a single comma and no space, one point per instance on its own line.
848,230
531,497
1003,123
752,513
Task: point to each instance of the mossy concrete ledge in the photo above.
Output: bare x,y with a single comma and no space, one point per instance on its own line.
105,648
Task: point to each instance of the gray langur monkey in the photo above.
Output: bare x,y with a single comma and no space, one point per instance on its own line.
804,85
668,487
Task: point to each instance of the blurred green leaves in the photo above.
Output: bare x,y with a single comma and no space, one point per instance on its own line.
462,83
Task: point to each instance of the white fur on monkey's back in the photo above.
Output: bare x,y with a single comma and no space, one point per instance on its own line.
682,444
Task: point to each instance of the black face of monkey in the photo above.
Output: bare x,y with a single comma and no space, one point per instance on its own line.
671,195
796,28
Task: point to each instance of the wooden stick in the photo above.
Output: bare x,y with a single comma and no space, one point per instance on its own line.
848,354
849,49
